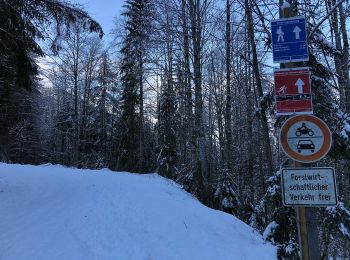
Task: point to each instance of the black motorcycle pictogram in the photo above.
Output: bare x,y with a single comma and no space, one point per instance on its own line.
304,130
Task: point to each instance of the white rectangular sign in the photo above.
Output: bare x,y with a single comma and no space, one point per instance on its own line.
309,187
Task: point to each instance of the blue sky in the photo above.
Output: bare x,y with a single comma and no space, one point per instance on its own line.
103,11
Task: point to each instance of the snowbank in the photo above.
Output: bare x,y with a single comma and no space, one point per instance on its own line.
52,212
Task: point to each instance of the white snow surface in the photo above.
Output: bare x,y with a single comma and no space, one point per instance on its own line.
285,5
344,230
327,43
270,229
53,212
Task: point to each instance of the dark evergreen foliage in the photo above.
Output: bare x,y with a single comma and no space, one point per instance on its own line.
167,134
226,195
128,147
275,221
22,24
335,226
131,147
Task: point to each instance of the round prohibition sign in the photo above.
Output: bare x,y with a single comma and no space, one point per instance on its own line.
305,138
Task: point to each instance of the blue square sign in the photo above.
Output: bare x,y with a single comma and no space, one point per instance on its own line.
289,40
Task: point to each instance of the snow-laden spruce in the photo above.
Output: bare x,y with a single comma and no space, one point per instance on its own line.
52,212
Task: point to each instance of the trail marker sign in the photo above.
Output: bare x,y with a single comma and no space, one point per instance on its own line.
289,40
309,187
305,138
293,91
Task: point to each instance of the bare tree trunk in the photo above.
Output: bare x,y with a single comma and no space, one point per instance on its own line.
211,119
89,69
337,57
76,57
345,58
249,97
217,93
141,119
228,108
196,31
256,71
190,141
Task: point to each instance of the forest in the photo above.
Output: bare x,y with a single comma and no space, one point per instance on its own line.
184,89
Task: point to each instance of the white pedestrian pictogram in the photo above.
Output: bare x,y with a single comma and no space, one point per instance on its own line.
282,90
300,85
297,31
280,34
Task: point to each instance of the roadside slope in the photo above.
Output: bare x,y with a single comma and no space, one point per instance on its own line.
53,212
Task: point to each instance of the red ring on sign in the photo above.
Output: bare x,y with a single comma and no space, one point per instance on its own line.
327,139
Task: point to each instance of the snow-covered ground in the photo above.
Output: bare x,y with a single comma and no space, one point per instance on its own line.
53,212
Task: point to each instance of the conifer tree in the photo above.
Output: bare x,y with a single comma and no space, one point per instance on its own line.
102,127
275,221
137,26
167,155
22,24
167,137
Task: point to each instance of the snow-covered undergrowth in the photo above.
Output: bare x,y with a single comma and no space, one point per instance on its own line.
52,212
